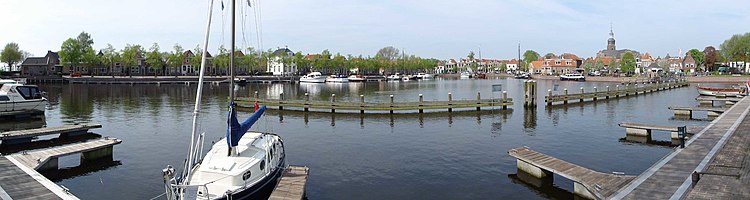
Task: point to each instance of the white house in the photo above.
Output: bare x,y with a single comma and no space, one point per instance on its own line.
277,67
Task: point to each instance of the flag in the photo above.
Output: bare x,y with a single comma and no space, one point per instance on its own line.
222,5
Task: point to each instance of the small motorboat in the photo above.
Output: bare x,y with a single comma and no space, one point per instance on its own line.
709,91
425,76
465,75
19,98
521,76
407,78
313,77
572,77
394,77
337,79
356,78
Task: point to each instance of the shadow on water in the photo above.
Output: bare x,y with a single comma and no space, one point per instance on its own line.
543,187
22,124
85,168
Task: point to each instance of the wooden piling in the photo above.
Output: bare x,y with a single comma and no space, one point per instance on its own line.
333,101
421,100
362,103
391,104
450,98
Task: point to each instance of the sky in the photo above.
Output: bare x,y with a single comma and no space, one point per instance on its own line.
426,28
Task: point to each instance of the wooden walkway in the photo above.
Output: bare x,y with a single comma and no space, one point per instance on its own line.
72,128
670,178
598,184
292,184
608,92
710,109
362,106
689,129
707,98
38,158
19,182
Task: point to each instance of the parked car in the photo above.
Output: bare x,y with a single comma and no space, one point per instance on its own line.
75,74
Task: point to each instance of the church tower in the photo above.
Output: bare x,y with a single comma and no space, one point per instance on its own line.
611,40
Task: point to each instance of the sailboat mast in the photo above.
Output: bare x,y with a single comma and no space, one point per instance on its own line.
231,61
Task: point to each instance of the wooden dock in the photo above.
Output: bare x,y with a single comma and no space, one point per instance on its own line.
609,93
706,100
26,135
292,184
671,177
587,183
19,182
688,111
362,106
46,159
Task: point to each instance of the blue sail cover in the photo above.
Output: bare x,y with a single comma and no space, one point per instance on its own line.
235,130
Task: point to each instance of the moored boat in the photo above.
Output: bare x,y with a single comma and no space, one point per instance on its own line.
710,91
572,77
18,98
393,77
521,76
313,77
425,76
465,75
356,78
337,79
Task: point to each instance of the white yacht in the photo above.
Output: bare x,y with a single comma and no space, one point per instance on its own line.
17,98
465,75
243,165
425,76
572,77
356,78
313,77
337,79
394,77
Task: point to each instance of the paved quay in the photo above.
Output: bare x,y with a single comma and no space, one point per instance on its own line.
671,177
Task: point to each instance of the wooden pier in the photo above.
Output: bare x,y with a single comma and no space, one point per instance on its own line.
362,106
609,92
672,176
705,100
19,178
587,183
644,130
688,111
292,184
46,159
21,136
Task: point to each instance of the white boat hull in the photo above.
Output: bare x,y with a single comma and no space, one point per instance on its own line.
312,80
337,80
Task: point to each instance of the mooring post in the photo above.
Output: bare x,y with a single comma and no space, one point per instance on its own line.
479,101
529,93
281,103
307,99
333,101
450,98
420,103
505,98
595,93
549,96
565,99
617,90
256,94
681,134
391,104
362,104
582,96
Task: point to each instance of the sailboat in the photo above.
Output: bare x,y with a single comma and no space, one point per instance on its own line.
243,165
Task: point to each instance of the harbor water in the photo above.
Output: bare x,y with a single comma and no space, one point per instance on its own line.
435,155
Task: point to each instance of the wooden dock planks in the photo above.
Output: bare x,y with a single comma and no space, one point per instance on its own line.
20,184
374,106
601,184
671,176
292,184
600,95
34,159
689,129
711,109
47,131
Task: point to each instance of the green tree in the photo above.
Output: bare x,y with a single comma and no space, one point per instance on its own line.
588,65
176,58
627,64
599,64
471,55
528,57
388,53
11,54
75,51
698,56
110,56
130,56
549,55
736,48
155,59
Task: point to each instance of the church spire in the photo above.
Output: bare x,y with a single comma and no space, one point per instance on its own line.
611,40
611,33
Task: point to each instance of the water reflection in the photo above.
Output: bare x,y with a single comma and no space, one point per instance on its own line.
543,187
529,119
23,123
86,167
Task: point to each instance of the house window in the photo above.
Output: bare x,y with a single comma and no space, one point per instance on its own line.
567,62
557,62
